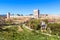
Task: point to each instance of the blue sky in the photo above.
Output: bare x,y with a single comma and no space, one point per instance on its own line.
26,7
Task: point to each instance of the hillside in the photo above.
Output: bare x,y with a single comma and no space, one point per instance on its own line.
12,33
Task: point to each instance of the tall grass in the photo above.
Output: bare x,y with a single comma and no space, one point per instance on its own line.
12,33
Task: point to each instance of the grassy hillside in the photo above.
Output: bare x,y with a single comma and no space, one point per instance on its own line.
12,33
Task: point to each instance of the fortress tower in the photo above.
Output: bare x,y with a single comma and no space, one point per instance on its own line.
36,13
8,15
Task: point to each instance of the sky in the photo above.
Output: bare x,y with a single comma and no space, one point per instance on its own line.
26,7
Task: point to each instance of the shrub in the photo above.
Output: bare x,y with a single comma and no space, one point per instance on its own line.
34,24
55,28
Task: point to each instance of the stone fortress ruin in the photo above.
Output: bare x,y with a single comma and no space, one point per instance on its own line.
36,15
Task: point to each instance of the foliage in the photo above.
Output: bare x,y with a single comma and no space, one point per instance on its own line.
55,28
34,24
46,21
8,21
18,14
13,34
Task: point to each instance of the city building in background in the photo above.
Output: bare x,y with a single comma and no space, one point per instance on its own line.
20,18
36,13
8,15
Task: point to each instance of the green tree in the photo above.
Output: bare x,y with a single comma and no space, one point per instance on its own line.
46,21
18,14
55,28
34,24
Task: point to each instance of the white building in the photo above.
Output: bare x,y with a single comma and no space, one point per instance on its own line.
8,15
36,13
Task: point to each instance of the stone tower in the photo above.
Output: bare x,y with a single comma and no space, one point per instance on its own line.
36,14
8,15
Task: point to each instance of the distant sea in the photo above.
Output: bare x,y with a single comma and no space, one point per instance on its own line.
2,15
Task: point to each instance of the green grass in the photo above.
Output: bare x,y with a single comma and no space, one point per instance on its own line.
12,33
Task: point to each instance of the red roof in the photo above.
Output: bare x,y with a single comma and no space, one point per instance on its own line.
51,21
